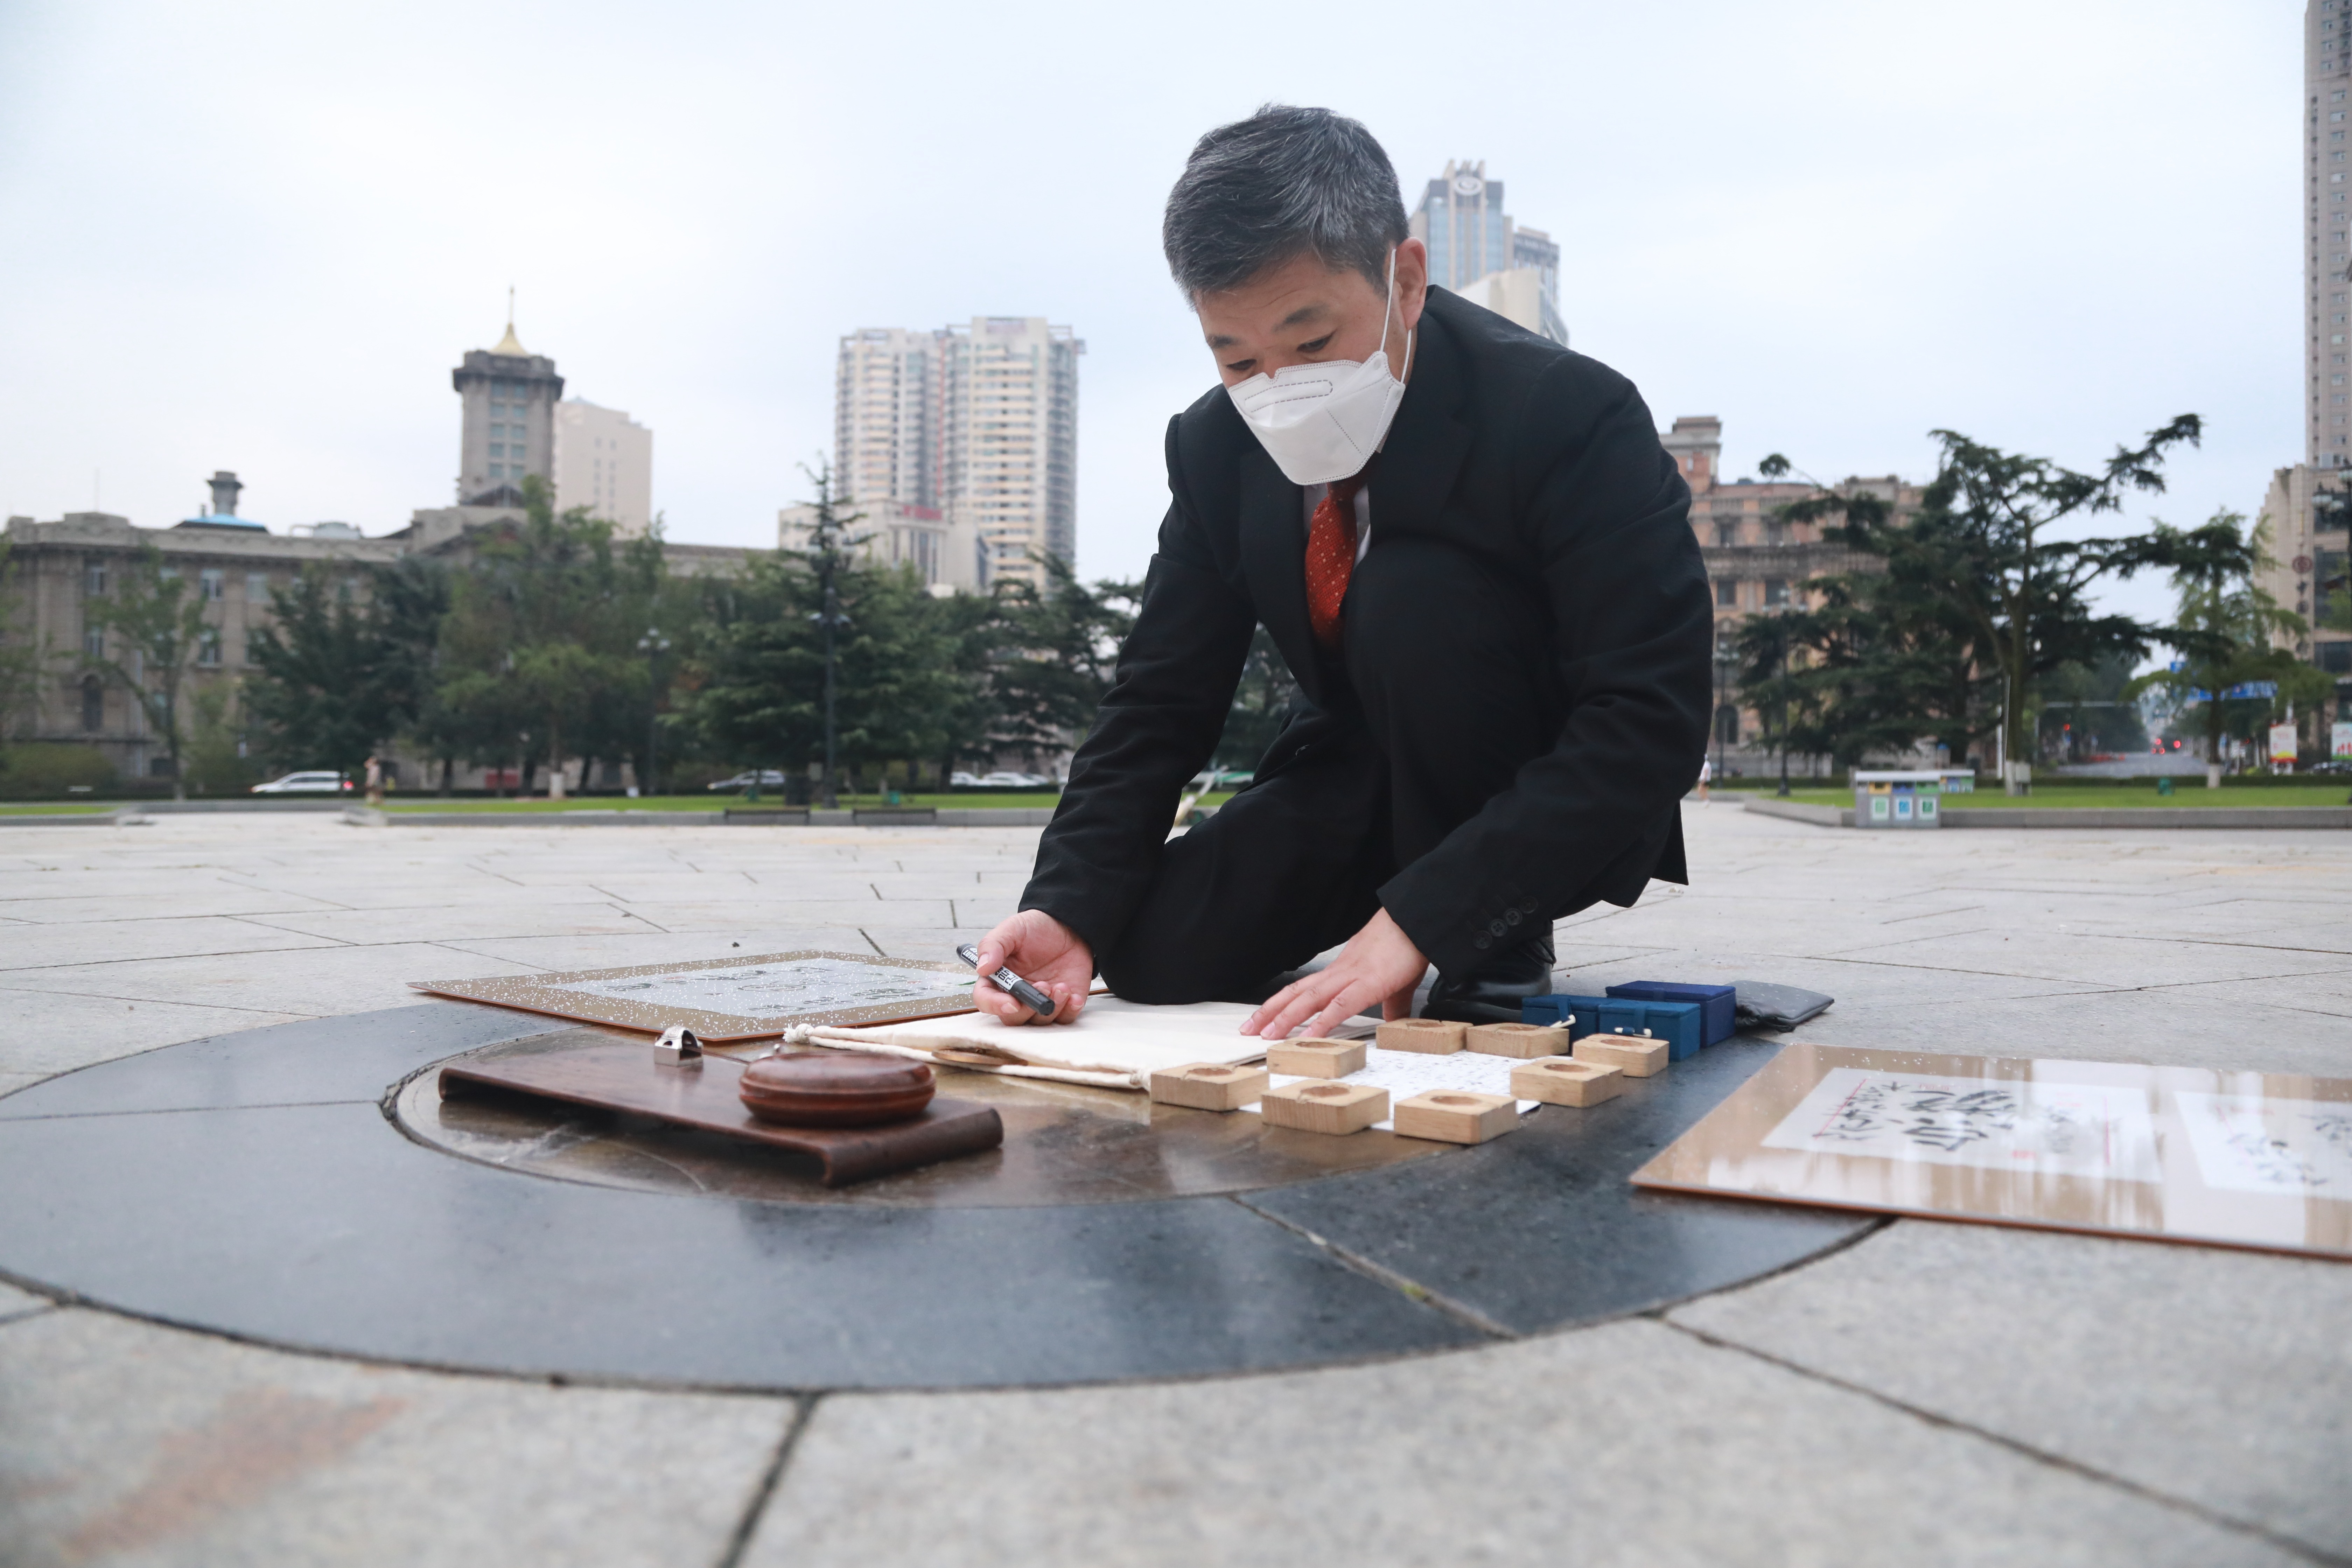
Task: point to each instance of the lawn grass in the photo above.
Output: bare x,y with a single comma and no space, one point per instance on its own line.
714,801
2186,793
52,807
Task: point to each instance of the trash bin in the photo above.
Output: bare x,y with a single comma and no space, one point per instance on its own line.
1898,799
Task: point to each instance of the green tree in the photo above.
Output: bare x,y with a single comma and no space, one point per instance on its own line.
217,763
538,643
155,623
1060,649
1262,705
823,627
328,684
1979,595
2226,624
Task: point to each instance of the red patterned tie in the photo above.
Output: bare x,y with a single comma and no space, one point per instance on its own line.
1331,558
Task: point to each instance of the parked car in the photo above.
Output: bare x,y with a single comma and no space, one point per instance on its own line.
305,784
963,781
768,778
1014,781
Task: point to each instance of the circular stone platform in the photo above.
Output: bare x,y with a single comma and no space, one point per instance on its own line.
296,1185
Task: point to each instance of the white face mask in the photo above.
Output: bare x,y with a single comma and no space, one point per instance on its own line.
1323,421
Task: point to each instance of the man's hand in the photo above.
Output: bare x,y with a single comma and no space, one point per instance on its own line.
1379,964
1043,951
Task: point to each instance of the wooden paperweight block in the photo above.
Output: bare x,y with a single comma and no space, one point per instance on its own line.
1208,1086
1430,1037
1334,1107
1525,1041
1457,1116
1316,1058
1561,1081
1635,1056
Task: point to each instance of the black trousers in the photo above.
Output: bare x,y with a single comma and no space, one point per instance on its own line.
1448,689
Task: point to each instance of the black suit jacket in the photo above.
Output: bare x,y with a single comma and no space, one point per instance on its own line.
1537,459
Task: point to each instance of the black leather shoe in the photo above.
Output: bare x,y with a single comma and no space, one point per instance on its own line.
1492,994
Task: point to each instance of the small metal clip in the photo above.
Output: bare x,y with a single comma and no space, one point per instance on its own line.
678,1047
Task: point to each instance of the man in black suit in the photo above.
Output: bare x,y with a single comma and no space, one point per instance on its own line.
1479,567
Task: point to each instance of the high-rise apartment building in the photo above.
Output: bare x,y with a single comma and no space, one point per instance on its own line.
959,447
603,460
509,396
886,415
1479,252
1010,456
2326,223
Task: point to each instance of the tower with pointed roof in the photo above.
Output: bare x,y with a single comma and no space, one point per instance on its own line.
510,395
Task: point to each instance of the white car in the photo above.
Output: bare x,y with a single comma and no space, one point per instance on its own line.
1014,781
962,781
305,784
767,778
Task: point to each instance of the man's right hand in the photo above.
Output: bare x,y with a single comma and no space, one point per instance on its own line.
1046,954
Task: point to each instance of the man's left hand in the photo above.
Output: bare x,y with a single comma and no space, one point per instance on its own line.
1379,964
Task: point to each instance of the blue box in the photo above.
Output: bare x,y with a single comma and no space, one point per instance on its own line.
1676,1023
1584,1012
1718,1004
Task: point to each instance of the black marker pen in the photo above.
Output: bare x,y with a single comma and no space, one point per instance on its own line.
1005,980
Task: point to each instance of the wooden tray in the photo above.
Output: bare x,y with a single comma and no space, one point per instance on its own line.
624,1077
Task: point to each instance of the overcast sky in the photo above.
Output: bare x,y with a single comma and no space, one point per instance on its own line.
259,236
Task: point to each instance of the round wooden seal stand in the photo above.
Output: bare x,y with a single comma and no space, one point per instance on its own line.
861,1116
834,1090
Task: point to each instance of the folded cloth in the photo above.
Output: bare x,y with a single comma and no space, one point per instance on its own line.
1764,1005
1112,1044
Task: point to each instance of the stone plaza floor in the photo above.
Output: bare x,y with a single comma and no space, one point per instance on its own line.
1933,1393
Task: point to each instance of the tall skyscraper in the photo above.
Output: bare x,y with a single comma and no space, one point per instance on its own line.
2327,76
1475,250
1011,459
960,445
886,415
509,396
604,461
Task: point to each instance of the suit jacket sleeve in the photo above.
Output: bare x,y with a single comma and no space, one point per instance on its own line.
1607,515
1158,726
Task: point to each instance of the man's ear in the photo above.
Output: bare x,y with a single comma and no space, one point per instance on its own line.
1411,282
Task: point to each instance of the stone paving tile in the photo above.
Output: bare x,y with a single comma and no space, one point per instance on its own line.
2328,992
472,920
2175,1027
305,982
126,1444
49,1033
553,952
16,1303
192,898
114,940
2220,1376
1995,949
1630,1443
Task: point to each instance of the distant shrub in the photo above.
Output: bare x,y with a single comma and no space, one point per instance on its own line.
40,770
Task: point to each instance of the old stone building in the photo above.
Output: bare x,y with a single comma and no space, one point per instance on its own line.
1757,562
60,569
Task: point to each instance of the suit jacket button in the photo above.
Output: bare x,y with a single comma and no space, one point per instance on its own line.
1482,943
1497,928
1512,916
1529,906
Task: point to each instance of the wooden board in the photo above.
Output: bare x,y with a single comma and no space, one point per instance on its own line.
2242,1159
624,1077
724,1000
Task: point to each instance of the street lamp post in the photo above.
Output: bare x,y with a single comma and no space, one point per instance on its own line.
1722,658
653,645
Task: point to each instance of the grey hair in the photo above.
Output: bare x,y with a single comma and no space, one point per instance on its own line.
1284,182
